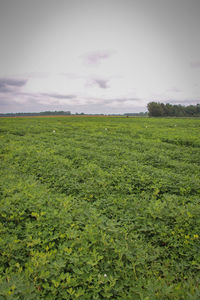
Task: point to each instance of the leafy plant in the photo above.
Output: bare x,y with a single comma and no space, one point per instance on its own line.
89,213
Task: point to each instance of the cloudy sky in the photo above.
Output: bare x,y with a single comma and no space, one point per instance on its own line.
98,56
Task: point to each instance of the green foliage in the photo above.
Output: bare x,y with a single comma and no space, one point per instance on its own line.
157,109
99,208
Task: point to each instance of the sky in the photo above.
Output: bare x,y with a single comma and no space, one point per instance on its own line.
98,56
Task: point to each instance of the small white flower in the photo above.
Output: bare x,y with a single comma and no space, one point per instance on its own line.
105,275
54,131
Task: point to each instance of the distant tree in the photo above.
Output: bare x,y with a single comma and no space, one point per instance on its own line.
156,109
43,113
198,109
191,110
140,114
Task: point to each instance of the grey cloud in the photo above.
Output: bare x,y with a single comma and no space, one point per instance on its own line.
8,85
35,102
103,84
94,58
59,96
195,64
20,101
29,104
12,82
4,89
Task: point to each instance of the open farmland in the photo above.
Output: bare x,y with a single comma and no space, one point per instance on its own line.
99,208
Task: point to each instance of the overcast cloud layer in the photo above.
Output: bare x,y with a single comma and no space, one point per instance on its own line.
108,56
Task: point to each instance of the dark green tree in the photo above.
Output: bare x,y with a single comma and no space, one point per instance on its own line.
155,109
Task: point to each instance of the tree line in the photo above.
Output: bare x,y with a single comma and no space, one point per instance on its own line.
43,113
156,109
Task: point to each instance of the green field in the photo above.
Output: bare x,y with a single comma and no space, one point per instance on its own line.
99,208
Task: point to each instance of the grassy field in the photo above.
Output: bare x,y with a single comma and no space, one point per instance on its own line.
99,208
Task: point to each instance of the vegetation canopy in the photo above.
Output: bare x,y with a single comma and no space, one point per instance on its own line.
99,208
157,109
